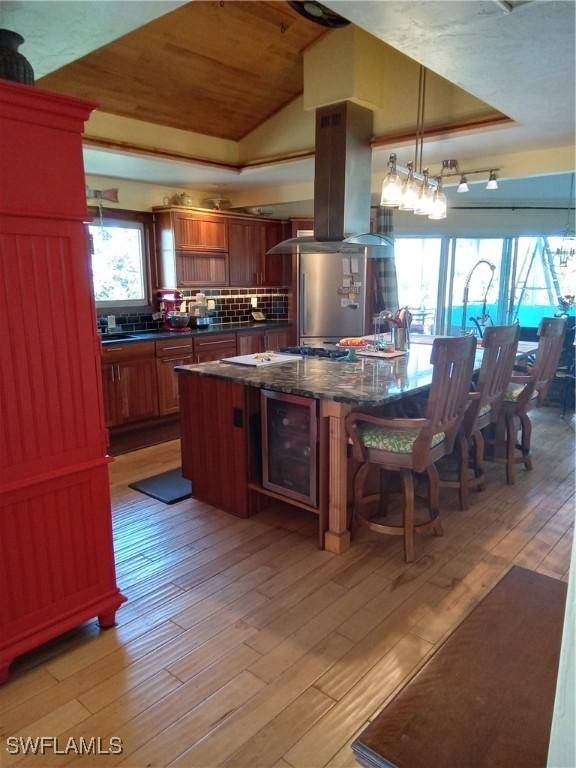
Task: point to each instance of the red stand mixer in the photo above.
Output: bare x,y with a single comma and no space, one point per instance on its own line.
170,301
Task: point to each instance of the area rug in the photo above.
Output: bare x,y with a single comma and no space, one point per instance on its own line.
168,487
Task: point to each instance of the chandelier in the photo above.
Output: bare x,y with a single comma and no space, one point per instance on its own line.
413,188
566,251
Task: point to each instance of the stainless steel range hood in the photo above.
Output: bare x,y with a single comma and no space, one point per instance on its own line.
342,181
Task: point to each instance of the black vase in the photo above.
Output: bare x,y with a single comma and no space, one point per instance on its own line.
13,65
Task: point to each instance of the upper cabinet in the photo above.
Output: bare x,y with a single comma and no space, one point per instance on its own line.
247,241
192,249
200,233
202,249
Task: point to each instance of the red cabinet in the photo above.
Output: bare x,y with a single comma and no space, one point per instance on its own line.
56,552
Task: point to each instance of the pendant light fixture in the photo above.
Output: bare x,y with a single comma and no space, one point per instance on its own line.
417,193
463,186
492,181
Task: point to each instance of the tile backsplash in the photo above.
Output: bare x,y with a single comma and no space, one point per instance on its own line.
232,305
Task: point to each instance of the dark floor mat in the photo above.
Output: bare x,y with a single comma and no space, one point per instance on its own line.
168,487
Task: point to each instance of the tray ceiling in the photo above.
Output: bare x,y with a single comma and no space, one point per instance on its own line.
218,68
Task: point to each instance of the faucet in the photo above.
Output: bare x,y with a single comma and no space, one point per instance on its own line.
480,322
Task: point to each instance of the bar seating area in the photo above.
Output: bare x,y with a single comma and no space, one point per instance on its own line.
458,412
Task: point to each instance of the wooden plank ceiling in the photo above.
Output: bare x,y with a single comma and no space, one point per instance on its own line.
219,68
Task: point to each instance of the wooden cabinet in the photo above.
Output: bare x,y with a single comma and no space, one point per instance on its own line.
217,464
196,270
214,347
247,245
56,549
169,354
252,342
274,340
197,248
201,233
129,383
192,249
278,266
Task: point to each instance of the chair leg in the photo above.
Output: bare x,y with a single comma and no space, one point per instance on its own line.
434,498
526,439
384,476
478,448
358,485
510,448
408,514
463,452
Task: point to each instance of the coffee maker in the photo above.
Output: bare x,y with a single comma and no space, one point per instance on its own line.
170,303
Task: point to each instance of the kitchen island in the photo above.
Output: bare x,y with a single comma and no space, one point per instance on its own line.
231,413
224,408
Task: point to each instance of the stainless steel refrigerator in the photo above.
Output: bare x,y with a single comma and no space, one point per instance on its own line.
331,297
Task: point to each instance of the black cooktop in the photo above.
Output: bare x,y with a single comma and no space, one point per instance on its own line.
331,354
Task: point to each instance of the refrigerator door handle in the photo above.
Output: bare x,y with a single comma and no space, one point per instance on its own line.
303,305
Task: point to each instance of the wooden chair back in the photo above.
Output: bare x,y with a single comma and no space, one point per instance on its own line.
453,361
550,344
500,344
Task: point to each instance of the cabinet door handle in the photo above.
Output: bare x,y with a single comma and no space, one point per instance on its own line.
210,343
179,346
172,359
118,371
112,370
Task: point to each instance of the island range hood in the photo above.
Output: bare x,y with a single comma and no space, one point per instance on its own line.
342,185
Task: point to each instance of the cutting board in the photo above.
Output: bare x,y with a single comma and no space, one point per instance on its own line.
381,355
253,361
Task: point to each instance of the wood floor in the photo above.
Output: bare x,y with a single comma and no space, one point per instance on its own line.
244,645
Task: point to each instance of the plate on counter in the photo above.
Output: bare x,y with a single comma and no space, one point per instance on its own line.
261,359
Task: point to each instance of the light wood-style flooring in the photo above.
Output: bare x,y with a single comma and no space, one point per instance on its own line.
243,645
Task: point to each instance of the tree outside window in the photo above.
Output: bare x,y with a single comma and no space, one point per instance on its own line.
118,263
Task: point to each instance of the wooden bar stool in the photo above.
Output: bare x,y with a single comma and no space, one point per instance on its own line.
525,391
500,344
411,446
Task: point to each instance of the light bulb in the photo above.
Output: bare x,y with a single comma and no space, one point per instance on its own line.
425,198
463,186
391,190
409,192
438,204
492,181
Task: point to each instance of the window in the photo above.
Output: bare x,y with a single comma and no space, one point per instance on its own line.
469,257
119,263
418,272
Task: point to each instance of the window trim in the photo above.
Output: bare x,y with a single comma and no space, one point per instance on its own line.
145,219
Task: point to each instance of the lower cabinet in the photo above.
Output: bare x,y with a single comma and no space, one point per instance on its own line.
250,343
169,354
214,347
129,383
139,381
168,398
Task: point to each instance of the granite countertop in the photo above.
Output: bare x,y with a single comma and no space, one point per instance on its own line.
135,336
368,382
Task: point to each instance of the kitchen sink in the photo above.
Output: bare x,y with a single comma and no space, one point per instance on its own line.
117,337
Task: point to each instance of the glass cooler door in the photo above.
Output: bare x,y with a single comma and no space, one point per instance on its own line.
289,446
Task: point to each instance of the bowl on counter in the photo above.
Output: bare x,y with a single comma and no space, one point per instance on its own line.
178,319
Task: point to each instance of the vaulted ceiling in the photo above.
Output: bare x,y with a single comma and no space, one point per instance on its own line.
218,68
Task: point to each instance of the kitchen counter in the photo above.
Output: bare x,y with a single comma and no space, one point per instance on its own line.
136,336
366,383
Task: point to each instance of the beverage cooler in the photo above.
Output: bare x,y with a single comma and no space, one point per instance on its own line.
290,446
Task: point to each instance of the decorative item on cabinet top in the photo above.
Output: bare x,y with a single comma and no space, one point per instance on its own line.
13,65
180,198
